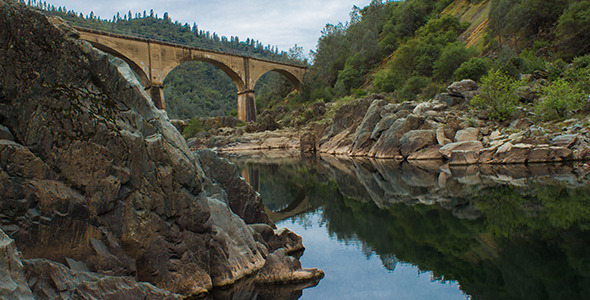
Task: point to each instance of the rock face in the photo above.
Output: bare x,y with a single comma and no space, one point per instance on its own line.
94,176
432,131
13,284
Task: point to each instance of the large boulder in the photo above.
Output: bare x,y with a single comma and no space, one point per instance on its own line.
388,145
364,141
466,88
448,149
415,140
95,174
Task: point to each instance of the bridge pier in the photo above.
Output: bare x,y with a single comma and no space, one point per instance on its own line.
246,106
157,93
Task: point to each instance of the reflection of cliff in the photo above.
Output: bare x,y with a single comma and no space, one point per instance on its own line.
510,232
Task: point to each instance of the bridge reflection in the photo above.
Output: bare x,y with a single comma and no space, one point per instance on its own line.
296,205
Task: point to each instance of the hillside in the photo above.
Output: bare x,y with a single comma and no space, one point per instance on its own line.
414,49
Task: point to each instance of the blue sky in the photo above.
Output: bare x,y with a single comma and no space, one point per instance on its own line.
272,22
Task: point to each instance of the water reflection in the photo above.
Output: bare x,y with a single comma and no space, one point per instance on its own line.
501,232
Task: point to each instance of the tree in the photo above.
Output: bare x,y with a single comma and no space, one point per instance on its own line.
574,30
452,56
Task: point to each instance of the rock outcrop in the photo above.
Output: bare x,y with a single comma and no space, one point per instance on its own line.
92,175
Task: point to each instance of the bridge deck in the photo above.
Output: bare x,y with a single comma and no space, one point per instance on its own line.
146,40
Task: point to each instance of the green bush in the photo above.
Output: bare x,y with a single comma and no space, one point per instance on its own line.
384,81
559,98
452,56
413,87
509,62
194,126
473,69
497,95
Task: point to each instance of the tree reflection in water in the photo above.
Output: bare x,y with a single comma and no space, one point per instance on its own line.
503,232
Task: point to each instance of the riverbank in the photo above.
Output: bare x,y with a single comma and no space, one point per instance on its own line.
445,128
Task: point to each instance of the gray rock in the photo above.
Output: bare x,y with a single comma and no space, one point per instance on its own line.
364,134
450,100
13,284
388,145
521,123
447,149
415,140
462,88
5,133
565,140
468,134
512,154
55,281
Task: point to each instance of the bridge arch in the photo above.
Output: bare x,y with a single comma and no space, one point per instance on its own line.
290,76
142,76
155,59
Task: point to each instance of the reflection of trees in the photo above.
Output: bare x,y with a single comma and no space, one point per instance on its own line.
520,236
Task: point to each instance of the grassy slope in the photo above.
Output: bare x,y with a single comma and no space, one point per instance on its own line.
476,14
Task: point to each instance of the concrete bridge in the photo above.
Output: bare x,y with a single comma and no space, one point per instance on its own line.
153,60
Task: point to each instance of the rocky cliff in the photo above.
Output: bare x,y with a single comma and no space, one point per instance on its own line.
94,178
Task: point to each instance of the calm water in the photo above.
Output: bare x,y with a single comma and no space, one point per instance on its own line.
385,230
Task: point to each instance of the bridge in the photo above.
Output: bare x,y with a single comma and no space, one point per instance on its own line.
152,60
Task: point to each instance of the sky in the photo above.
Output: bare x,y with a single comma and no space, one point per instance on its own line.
272,22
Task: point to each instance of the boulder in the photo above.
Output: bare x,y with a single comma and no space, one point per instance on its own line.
5,133
545,153
56,281
281,268
429,153
468,134
464,88
363,141
349,116
415,140
449,100
564,140
447,149
242,199
388,145
464,157
512,154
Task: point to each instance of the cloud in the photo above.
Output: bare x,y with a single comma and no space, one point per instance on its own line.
277,23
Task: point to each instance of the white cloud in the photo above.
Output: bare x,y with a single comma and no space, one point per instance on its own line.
278,23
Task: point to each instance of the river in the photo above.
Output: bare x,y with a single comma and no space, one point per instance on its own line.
389,230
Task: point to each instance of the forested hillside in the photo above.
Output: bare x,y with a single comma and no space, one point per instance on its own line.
416,47
193,89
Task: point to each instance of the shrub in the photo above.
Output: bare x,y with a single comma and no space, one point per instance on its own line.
473,69
453,55
559,98
509,63
497,95
413,87
194,126
384,81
